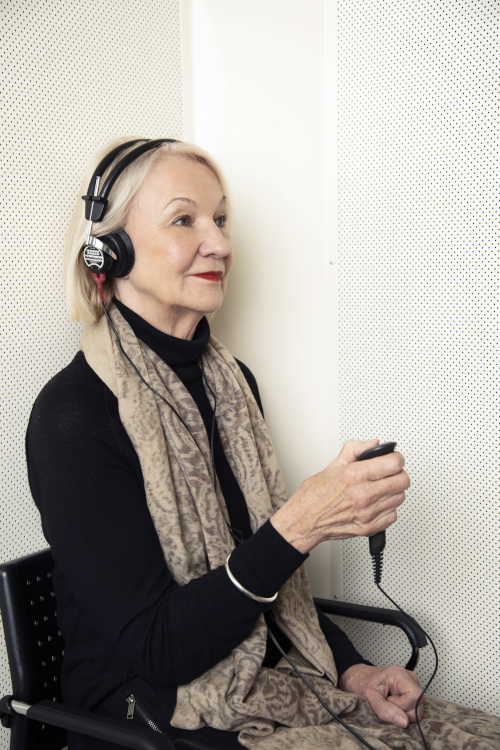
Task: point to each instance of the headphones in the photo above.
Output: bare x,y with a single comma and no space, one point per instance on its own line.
111,255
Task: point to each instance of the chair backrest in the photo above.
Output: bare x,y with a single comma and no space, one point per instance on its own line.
35,645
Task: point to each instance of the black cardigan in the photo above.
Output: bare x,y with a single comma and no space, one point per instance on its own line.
119,609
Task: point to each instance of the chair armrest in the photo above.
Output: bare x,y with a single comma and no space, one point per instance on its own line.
91,724
411,628
408,625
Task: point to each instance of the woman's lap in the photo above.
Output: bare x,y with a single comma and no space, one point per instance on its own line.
445,724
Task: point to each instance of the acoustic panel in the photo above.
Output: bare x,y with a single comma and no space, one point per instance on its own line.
419,344
74,74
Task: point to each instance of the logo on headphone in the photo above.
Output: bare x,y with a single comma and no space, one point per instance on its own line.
93,258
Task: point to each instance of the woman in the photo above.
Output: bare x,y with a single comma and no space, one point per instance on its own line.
170,528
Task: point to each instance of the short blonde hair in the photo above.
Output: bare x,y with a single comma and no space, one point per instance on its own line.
81,291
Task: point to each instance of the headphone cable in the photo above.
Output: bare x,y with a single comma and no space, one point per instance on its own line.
306,682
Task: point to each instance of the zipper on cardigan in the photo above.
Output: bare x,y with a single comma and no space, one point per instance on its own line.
134,706
131,706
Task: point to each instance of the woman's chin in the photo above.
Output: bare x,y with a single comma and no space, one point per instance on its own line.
209,306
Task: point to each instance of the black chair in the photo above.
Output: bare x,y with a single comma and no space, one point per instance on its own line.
35,646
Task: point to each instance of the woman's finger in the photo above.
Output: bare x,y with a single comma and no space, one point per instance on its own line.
352,450
382,466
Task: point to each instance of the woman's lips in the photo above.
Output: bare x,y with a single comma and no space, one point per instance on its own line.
212,276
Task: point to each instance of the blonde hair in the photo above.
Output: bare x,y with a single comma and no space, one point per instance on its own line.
81,290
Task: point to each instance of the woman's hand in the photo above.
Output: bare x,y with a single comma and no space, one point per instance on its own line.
392,692
344,500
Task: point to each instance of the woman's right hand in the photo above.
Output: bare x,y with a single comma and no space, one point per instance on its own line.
344,500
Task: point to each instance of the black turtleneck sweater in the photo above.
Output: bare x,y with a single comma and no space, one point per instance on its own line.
120,611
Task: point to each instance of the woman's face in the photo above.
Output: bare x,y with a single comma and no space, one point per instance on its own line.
177,224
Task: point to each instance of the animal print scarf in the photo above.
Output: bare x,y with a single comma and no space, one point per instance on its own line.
270,708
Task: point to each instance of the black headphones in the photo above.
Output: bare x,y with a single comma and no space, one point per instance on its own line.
111,255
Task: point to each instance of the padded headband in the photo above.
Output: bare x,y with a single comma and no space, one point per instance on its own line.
96,205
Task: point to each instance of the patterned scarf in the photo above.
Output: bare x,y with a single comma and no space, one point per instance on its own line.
270,708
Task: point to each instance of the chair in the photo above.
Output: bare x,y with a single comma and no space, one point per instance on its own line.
35,646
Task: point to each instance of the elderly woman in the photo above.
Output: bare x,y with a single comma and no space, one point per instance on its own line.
178,554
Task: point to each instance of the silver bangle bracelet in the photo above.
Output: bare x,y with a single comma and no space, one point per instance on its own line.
243,590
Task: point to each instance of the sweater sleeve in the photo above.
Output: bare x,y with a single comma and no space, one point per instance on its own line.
343,650
253,565
86,481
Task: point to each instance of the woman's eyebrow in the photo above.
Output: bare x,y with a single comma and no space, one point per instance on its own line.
187,200
190,200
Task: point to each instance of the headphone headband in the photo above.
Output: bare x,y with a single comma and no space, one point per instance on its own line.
111,255
96,204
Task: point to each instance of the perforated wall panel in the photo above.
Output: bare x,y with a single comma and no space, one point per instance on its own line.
419,363
74,73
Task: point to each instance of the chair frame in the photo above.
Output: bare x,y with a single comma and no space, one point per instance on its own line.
32,720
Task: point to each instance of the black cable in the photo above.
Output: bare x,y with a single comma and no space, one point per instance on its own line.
435,668
297,671
377,570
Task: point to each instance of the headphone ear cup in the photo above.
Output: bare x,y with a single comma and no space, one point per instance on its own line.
121,245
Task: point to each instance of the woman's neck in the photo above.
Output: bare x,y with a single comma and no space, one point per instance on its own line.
174,321
171,349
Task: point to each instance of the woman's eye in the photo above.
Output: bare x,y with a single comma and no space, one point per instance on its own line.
183,221
221,221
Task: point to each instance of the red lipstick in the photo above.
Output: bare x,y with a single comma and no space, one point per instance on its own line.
211,276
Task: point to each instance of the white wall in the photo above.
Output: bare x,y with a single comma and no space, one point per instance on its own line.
253,88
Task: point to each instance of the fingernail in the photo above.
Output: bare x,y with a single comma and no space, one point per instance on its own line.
401,722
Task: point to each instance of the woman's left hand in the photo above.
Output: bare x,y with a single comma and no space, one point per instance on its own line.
392,692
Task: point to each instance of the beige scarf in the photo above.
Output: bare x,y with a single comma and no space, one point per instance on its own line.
271,708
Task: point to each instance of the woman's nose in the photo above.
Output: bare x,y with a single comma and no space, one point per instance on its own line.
213,242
